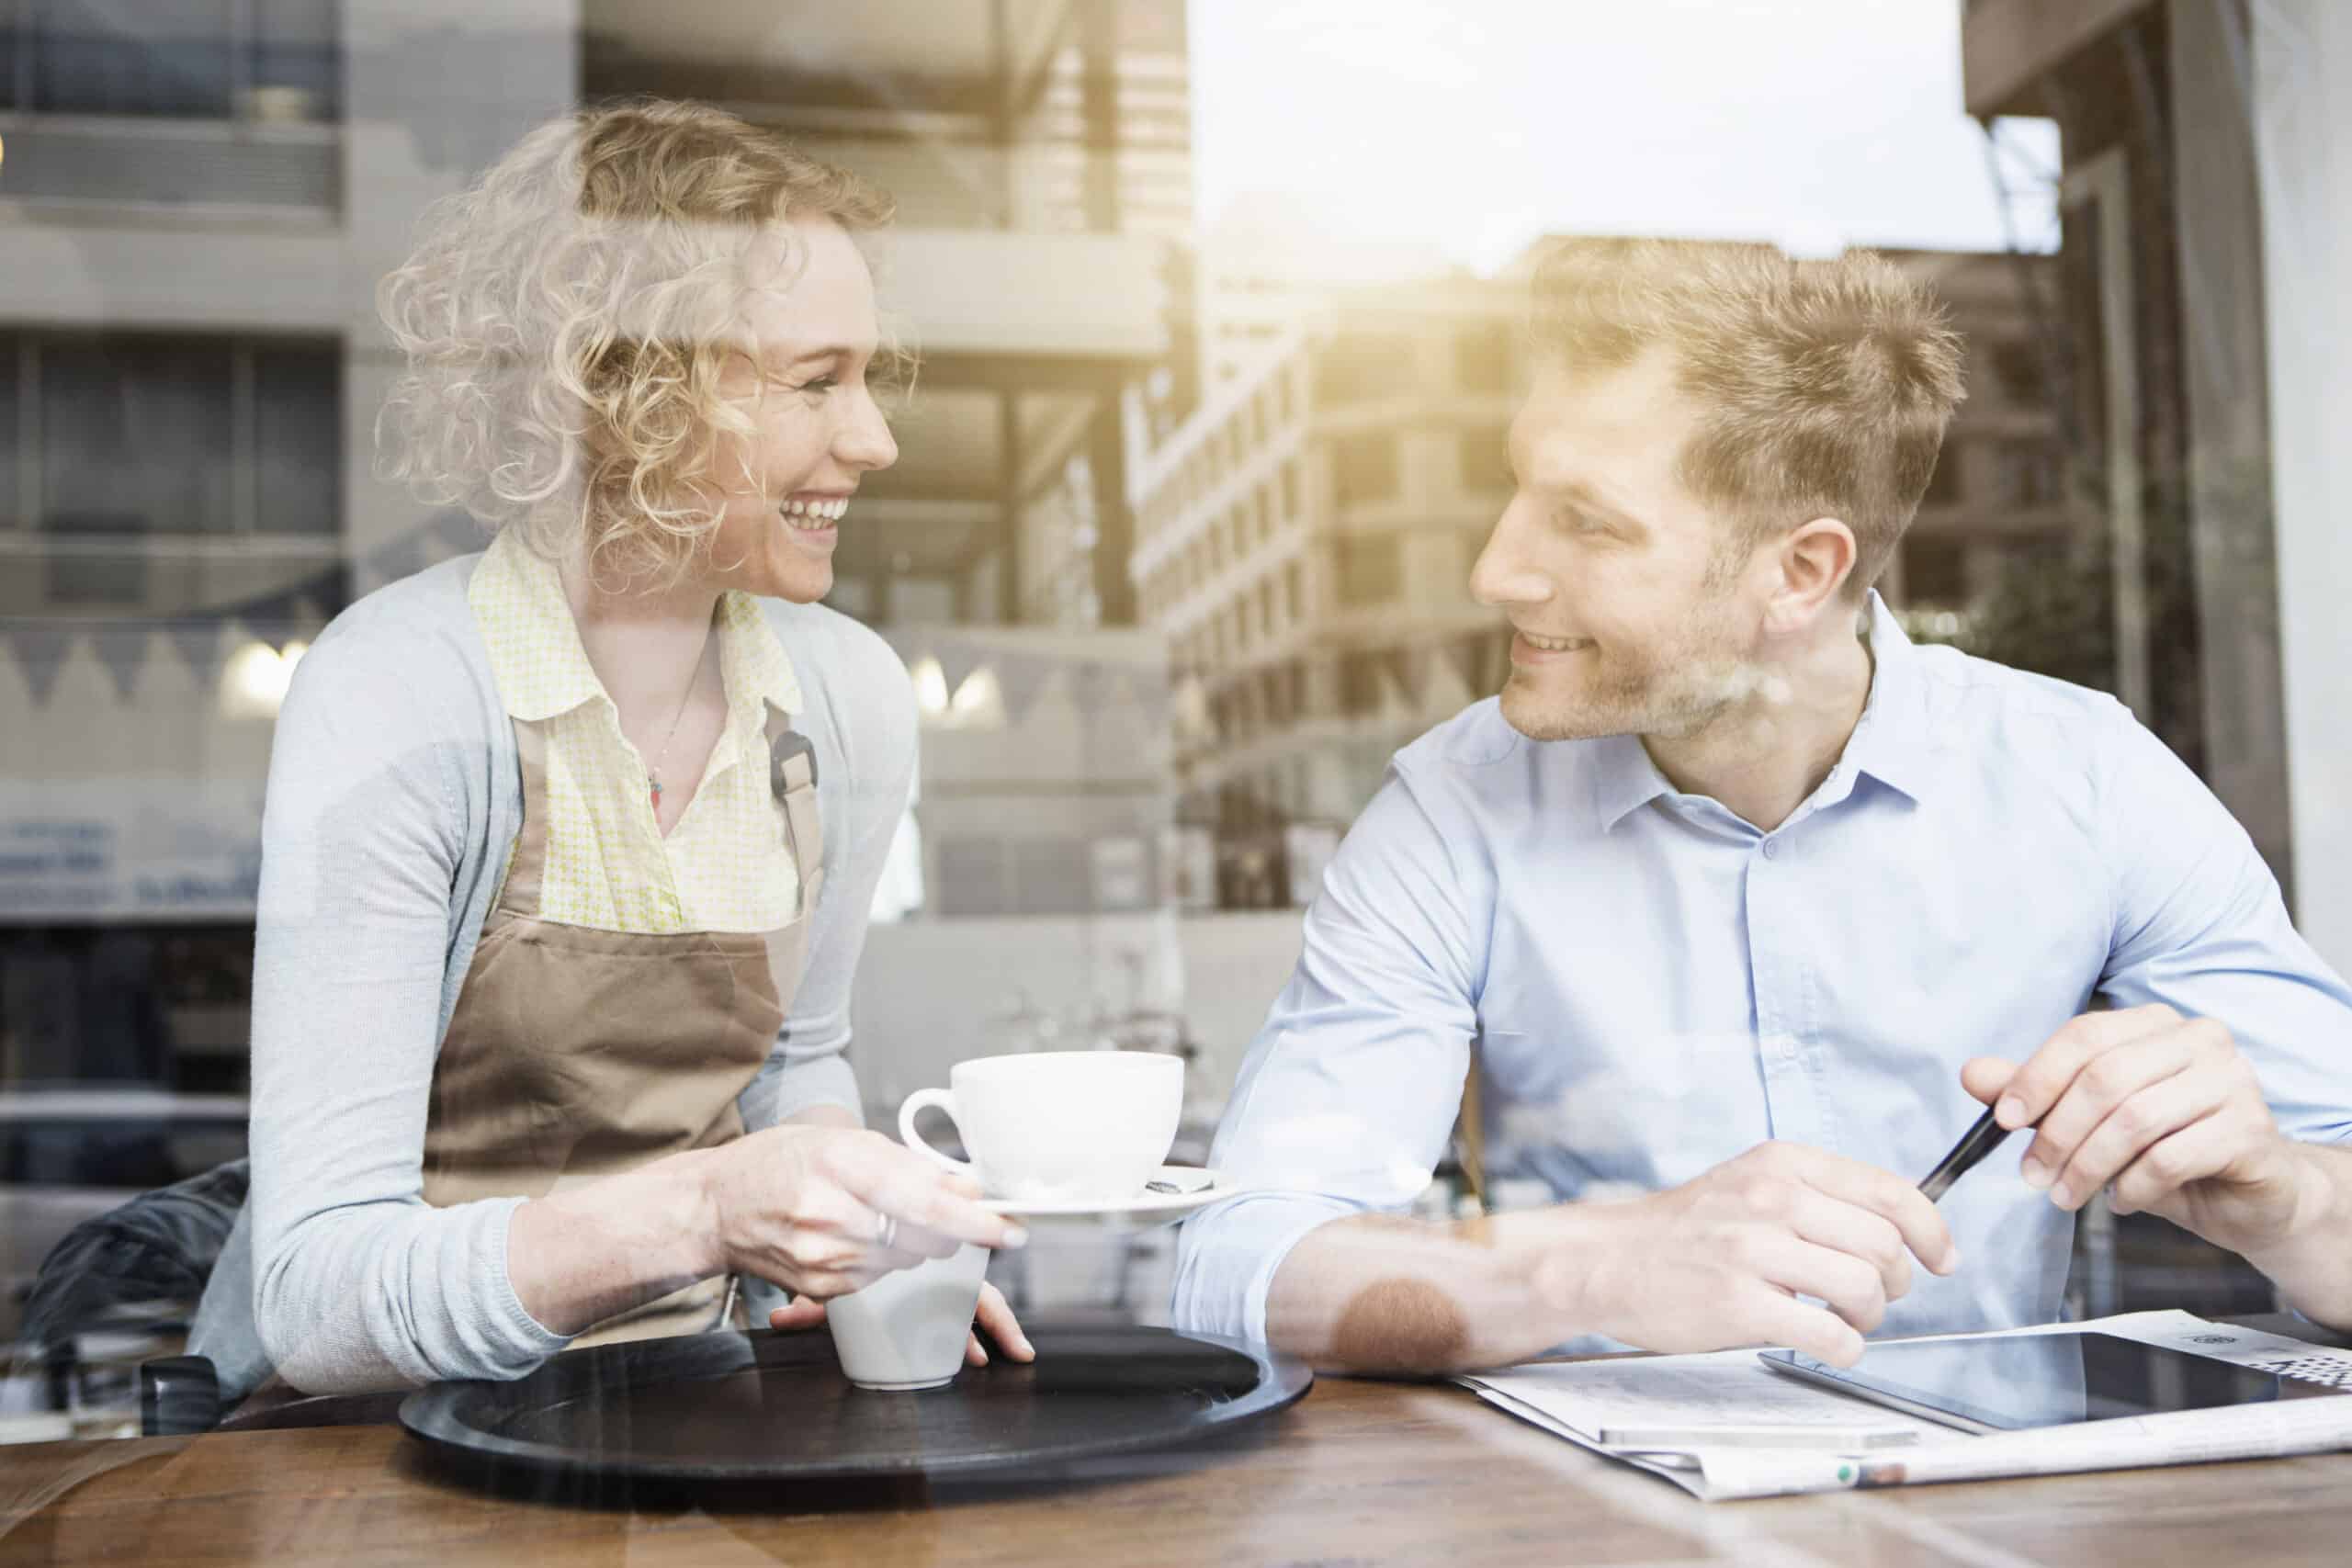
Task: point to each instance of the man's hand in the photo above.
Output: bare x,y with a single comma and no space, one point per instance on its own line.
1721,1260
2164,1109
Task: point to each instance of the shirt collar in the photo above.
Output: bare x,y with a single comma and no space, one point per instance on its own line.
1888,743
542,669
1623,779
751,658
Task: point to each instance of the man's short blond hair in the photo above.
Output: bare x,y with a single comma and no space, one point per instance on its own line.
568,321
1825,385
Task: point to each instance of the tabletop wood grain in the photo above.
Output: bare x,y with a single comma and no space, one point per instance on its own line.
1360,1473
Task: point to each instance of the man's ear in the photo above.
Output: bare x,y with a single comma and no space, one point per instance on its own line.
1815,559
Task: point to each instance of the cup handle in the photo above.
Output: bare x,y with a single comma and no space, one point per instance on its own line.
918,1101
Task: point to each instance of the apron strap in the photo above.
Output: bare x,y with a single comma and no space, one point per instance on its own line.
520,892
792,774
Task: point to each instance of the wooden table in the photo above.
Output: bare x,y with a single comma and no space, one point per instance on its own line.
1359,1472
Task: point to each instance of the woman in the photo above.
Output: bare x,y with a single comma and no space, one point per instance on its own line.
568,845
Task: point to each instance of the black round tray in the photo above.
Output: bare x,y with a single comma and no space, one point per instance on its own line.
730,1408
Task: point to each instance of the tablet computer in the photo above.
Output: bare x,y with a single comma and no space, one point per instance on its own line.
2016,1382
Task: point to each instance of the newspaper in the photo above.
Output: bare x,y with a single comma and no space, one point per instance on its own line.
1579,1400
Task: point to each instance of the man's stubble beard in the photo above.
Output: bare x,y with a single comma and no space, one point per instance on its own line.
1679,693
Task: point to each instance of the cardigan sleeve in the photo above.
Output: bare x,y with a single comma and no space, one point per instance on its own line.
358,1284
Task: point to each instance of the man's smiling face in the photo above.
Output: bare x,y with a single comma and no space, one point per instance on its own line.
1609,567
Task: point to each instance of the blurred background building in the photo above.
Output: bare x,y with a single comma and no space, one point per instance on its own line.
1304,541
1177,551
197,199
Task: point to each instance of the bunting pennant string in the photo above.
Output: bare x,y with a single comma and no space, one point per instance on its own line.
40,646
457,530
1021,679
199,645
122,648
959,657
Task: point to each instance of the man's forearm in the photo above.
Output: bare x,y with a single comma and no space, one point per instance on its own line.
2312,1265
1386,1293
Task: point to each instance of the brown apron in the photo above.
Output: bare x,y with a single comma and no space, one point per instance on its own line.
575,1052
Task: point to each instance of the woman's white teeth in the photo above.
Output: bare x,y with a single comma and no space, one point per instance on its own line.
816,513
1553,644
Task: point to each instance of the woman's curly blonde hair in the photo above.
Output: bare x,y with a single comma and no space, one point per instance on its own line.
567,322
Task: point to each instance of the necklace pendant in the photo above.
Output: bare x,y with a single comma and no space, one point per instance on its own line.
657,790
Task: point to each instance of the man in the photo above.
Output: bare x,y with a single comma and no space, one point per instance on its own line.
1749,905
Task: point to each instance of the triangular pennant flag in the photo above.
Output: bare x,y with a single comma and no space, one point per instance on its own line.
198,646
122,648
1147,689
268,616
457,530
1091,688
396,558
956,661
1020,677
41,647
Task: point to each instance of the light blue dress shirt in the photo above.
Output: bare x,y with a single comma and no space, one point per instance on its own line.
1655,986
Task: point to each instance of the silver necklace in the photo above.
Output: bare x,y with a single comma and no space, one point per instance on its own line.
654,774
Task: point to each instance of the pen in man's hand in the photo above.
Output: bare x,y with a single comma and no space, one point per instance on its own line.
1978,1141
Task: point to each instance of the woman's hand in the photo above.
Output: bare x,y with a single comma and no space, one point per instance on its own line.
806,1208
995,1315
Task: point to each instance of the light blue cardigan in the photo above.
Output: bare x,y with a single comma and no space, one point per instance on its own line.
394,797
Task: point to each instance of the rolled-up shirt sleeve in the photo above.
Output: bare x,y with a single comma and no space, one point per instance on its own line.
1347,1096
2200,927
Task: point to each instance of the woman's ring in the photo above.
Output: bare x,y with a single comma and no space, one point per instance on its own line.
886,1230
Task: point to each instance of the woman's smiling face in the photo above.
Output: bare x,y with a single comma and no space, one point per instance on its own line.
818,430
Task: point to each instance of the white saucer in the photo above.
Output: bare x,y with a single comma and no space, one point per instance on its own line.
1138,1211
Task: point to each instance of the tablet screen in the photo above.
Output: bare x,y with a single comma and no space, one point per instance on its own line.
2044,1379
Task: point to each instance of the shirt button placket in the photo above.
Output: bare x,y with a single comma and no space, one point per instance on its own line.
1774,977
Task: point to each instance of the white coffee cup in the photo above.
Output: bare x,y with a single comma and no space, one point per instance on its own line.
1058,1126
907,1330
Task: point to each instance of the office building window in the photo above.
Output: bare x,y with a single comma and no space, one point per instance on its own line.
2019,368
1935,570
297,440
11,421
1483,452
2027,473
148,435
1355,369
1365,466
1359,682
1371,569
1943,485
1294,596
186,59
1482,357
136,436
1290,488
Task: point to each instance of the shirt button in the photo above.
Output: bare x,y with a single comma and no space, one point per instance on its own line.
1772,850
